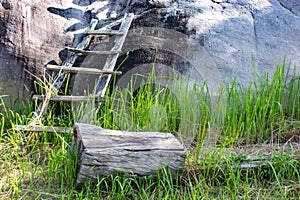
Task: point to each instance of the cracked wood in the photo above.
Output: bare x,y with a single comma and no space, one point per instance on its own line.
102,152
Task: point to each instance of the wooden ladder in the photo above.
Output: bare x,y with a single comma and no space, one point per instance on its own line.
67,67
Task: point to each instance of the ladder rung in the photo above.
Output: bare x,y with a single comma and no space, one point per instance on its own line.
92,52
71,98
103,32
49,129
82,70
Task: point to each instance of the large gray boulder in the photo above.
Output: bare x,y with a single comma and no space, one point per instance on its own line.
217,39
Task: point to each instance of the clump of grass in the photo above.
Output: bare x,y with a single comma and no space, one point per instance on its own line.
9,116
256,113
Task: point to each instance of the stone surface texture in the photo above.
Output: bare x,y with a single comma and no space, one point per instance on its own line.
240,36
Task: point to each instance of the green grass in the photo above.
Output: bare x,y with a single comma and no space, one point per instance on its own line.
43,165
264,108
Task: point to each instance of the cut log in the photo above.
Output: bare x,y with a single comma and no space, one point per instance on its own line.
102,152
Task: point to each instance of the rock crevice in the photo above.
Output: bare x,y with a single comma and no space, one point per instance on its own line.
292,6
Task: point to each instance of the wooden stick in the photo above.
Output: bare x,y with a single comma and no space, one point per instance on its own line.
82,70
48,129
103,32
81,51
71,98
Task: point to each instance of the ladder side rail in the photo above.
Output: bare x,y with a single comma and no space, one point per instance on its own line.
103,81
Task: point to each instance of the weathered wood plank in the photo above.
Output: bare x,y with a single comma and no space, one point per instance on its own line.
81,51
49,129
82,70
103,32
103,152
71,98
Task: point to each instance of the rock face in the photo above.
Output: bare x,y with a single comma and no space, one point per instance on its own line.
30,36
233,38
